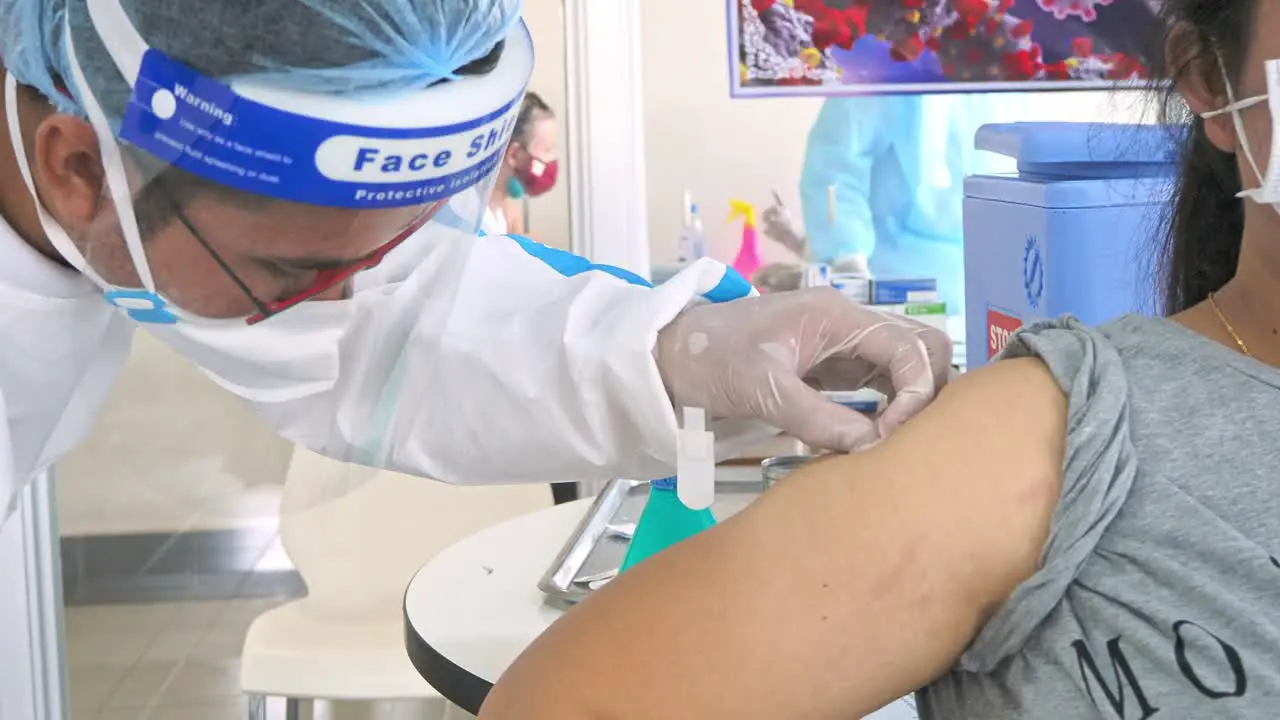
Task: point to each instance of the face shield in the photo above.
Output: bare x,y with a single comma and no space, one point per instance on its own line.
244,190
239,199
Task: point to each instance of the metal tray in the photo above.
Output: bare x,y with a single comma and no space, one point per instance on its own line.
595,550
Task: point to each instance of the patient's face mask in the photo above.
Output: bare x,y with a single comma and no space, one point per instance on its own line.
1269,192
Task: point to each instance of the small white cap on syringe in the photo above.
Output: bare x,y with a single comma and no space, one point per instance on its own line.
696,462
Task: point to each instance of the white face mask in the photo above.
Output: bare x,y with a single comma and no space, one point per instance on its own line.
288,356
1269,193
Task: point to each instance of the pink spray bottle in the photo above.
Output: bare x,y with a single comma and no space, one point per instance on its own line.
748,260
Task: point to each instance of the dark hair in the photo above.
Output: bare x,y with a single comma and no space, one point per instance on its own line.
532,108
1201,247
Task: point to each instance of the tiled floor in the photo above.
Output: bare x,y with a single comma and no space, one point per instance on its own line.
172,652
181,662
158,662
177,567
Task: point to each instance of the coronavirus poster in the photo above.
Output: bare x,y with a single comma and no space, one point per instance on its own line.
845,47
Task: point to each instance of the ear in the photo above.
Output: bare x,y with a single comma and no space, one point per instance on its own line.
66,164
1201,83
515,154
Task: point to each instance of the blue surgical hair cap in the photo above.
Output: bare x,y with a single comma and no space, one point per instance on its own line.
322,46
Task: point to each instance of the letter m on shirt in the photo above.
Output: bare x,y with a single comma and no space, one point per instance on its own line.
1120,689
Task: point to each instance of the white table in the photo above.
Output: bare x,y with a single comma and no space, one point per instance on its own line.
476,606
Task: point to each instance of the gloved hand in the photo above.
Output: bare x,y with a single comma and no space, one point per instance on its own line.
778,277
777,224
852,264
755,359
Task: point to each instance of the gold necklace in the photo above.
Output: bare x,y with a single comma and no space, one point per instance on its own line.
1213,301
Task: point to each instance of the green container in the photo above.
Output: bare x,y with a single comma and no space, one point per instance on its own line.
664,522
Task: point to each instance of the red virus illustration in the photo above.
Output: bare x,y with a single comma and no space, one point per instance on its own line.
975,40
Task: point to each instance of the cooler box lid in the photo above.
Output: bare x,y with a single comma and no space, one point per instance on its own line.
1083,150
1078,165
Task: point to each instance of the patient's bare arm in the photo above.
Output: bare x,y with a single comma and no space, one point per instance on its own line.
854,582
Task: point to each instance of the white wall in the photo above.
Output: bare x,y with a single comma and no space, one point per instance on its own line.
698,139
549,214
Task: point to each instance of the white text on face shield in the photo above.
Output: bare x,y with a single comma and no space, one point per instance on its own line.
205,106
394,161
435,190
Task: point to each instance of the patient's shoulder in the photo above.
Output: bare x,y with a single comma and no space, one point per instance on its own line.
1085,361
1061,394
972,482
1012,384
1058,384
1011,410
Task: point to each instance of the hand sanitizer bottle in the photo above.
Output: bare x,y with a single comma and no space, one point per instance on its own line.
664,522
693,244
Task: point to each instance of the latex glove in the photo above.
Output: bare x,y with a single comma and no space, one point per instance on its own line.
852,265
751,358
778,277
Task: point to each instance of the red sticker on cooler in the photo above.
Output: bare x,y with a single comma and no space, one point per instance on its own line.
999,328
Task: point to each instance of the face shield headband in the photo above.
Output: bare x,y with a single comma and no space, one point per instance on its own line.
359,152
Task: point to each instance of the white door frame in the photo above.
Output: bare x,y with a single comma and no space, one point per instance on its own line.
33,685
608,207
39,512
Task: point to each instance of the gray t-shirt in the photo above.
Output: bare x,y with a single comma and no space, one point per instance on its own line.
1159,588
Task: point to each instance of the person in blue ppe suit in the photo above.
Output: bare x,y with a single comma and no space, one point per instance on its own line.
882,187
288,193
883,184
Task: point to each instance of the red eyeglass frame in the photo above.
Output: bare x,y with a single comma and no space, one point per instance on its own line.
328,279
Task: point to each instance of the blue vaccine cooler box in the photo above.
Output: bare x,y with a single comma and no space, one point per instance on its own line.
1071,232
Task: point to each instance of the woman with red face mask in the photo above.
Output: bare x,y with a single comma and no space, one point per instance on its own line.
530,168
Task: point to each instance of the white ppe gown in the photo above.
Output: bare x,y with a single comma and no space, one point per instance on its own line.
494,222
484,360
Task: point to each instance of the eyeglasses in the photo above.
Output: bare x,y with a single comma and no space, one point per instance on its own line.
324,281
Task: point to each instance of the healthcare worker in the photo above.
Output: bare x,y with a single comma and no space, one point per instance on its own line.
287,192
529,170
